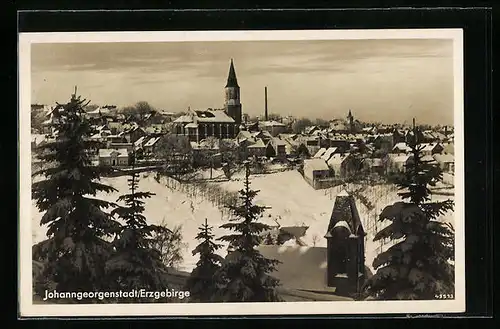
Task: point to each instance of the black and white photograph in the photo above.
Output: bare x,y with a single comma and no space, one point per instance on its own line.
213,173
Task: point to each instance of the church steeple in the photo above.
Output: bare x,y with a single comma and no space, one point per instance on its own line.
231,78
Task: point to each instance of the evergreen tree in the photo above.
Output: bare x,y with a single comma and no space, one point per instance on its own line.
419,265
135,262
269,240
201,284
244,274
78,226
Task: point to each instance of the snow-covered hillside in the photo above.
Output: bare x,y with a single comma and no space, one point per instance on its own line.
291,200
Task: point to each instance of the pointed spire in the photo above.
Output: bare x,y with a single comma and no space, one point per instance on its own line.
231,78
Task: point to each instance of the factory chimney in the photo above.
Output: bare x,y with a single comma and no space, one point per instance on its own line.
265,104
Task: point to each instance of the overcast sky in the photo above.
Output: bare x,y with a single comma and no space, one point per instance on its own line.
379,80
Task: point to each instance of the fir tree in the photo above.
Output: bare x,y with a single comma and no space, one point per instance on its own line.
135,262
201,284
269,240
78,226
419,265
244,274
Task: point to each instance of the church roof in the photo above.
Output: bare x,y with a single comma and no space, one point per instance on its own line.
345,213
200,116
231,78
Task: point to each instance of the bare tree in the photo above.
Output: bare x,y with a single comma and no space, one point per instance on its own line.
170,245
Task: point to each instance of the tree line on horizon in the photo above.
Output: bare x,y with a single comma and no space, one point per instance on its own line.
90,248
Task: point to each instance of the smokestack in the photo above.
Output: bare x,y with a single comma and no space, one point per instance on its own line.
265,103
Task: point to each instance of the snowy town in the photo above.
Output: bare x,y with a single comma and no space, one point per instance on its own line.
322,183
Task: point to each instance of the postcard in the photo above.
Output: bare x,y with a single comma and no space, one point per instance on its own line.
241,173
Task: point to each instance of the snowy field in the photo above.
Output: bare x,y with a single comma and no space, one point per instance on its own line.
291,200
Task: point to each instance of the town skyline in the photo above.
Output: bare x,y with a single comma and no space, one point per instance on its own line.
384,81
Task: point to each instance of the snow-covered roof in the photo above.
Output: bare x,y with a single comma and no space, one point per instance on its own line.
209,144
444,158
320,152
191,125
429,146
337,159
343,224
140,141
428,158
120,153
315,164
328,153
300,267
398,158
205,116
258,144
152,141
278,142
38,138
401,146
271,123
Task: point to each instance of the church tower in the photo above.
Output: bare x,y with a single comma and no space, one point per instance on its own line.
350,122
232,104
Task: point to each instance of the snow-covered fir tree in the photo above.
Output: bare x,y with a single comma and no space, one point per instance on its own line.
135,262
79,228
201,284
245,273
420,264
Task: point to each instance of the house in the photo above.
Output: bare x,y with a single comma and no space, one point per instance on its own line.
311,143
138,144
401,147
128,146
383,142
256,148
446,162
431,148
320,153
294,147
340,142
115,127
345,236
429,159
278,148
273,127
315,169
449,148
398,162
341,164
132,133
155,129
370,130
329,153
149,146
375,165
37,139
113,157
311,130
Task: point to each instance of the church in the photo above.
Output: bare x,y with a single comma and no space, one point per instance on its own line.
220,123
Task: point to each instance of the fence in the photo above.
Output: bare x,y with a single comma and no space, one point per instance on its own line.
213,193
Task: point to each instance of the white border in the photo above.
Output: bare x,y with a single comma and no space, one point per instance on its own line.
27,308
